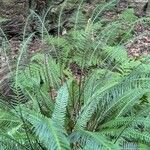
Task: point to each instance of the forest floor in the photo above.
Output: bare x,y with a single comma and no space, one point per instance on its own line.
141,44
137,47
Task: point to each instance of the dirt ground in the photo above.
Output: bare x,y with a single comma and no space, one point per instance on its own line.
137,47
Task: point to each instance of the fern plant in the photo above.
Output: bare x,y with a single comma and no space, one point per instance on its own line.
105,111
102,107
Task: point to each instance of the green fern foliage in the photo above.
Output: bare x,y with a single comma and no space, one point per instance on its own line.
83,92
128,16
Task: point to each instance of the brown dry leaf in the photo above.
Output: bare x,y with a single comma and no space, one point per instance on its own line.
53,94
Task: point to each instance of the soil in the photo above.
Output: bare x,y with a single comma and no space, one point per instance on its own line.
141,43
136,48
139,46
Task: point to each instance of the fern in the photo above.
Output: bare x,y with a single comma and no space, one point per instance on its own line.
59,111
103,106
128,16
50,131
92,140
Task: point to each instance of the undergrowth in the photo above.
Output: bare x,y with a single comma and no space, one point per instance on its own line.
83,91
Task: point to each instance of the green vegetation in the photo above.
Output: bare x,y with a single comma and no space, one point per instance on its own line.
83,92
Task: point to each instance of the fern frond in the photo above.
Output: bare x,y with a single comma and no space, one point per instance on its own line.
104,96
48,132
142,137
40,68
58,115
128,16
94,138
116,53
132,121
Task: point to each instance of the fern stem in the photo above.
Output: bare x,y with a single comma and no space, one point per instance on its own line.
24,124
123,130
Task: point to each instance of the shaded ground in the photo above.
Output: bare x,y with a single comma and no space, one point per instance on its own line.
141,43
139,46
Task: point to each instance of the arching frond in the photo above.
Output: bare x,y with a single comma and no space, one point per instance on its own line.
92,139
59,112
48,132
103,97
